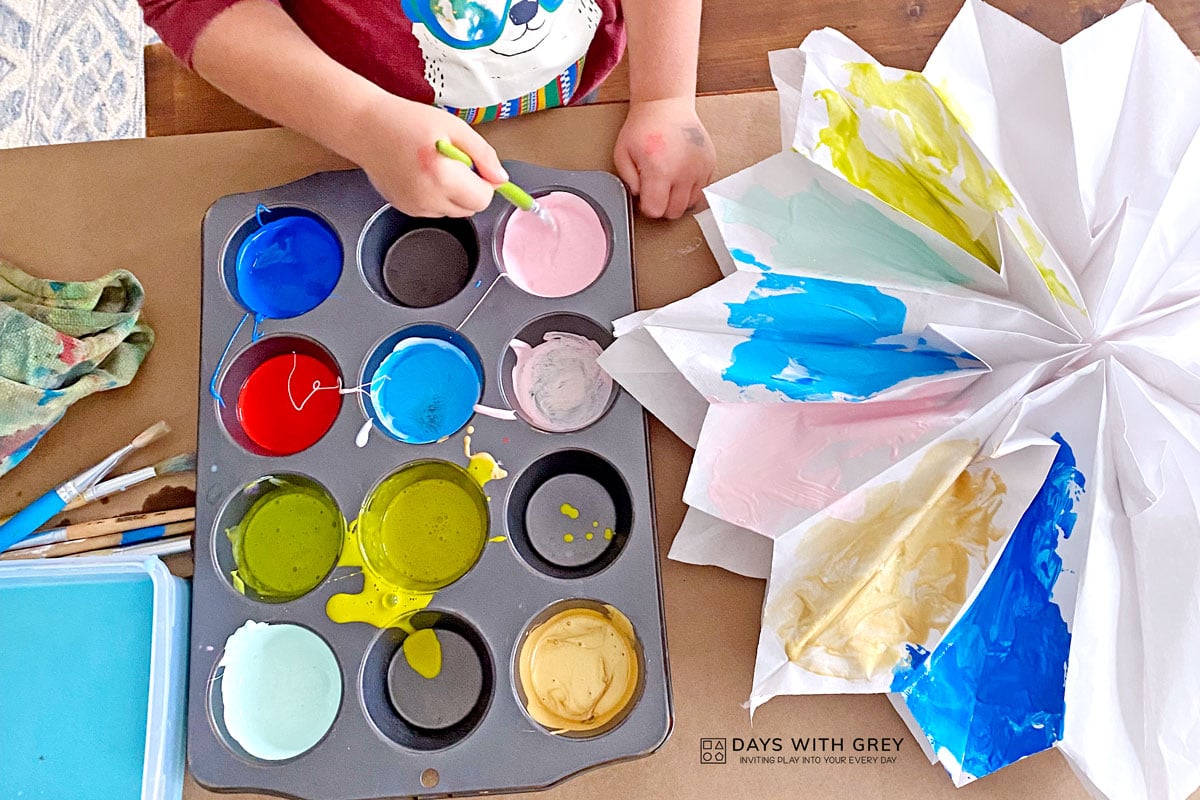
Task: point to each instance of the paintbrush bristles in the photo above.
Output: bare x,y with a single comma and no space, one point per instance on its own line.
185,462
155,431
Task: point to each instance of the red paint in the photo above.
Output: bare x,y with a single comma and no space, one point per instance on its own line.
655,143
504,440
267,414
71,348
427,157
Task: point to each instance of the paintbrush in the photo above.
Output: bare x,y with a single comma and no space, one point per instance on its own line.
104,527
508,190
163,547
105,542
34,515
184,462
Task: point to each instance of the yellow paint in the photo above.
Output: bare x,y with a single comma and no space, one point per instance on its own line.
423,653
383,602
608,534
897,574
568,538
380,603
568,510
482,467
595,523
937,172
1035,248
588,537
579,669
497,539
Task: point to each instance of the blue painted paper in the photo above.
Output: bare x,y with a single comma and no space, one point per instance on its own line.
814,339
992,692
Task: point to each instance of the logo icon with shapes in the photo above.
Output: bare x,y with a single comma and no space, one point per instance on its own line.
712,751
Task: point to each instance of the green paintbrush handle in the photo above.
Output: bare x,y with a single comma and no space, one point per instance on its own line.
509,191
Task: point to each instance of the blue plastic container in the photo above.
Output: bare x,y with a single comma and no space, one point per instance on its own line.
93,666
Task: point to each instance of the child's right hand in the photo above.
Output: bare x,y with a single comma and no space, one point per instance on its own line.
395,144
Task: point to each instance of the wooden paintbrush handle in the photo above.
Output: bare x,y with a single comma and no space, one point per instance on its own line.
101,542
129,522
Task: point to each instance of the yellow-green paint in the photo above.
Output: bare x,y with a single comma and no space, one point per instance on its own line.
1035,248
608,534
568,538
595,523
937,177
589,536
938,162
497,539
287,542
423,652
389,595
568,510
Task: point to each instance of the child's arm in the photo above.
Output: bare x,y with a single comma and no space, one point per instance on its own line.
663,152
256,54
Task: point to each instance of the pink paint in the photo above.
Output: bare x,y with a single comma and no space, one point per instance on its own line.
655,143
555,261
771,466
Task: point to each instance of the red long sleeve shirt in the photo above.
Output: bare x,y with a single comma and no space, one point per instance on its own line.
480,59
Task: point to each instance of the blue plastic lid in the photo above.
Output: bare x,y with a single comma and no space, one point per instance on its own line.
425,390
288,267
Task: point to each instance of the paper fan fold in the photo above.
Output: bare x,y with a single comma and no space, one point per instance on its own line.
947,397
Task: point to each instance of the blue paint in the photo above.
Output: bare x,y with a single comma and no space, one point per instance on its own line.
287,267
814,228
816,339
425,390
144,534
992,691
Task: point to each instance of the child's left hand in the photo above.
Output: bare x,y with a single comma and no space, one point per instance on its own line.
665,155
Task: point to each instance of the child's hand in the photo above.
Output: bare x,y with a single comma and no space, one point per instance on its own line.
395,143
665,155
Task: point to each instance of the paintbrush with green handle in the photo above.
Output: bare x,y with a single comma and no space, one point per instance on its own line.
508,190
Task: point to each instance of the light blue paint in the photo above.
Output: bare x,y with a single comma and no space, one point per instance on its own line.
992,691
815,230
287,267
815,339
425,390
76,665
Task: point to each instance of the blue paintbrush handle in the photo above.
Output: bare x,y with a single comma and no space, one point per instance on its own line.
30,518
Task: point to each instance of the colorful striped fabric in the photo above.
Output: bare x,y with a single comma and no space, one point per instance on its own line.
557,92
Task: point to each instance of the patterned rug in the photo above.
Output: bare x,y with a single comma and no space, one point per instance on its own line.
70,71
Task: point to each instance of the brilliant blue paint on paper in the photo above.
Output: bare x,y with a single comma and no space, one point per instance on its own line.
816,339
992,691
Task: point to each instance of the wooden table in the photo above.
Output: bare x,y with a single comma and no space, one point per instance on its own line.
735,37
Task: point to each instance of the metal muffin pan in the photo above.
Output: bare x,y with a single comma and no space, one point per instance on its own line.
502,748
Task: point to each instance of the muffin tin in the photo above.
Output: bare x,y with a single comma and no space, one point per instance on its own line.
385,741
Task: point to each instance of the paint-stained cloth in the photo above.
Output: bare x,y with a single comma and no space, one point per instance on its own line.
60,342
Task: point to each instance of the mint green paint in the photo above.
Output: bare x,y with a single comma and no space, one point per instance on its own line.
815,230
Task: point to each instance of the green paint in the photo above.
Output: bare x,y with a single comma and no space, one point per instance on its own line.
423,652
424,526
288,540
568,510
851,236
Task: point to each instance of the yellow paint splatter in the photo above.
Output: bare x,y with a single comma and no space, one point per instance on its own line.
423,652
595,523
588,537
568,510
608,534
380,603
568,538
895,575
482,467
498,539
